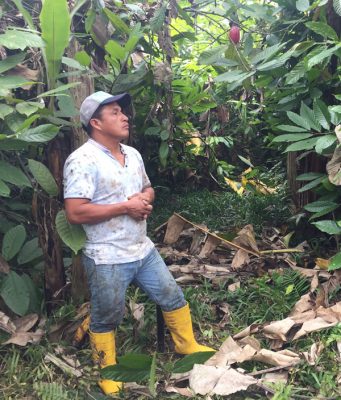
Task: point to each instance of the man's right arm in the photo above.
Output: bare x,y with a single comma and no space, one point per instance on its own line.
82,211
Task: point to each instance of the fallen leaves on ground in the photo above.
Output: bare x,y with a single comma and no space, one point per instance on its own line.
19,328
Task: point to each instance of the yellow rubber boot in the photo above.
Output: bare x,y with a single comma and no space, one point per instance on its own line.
104,353
179,323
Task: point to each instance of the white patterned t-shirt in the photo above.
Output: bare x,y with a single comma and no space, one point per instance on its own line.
92,172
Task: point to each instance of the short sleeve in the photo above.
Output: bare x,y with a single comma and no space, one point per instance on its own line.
145,179
79,178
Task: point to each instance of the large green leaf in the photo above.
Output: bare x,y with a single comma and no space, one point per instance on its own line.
163,153
4,189
187,363
115,50
72,235
267,53
307,144
324,142
29,252
312,184
55,30
15,293
295,74
130,368
117,22
11,61
337,6
335,262
210,56
39,134
13,82
322,55
297,119
158,19
29,107
59,89
13,241
302,5
126,82
309,176
292,137
291,128
16,39
317,206
309,116
322,29
233,76
328,226
11,174
321,113
43,176
5,110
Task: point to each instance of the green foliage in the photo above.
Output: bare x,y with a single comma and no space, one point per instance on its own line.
50,391
55,31
43,177
267,298
72,235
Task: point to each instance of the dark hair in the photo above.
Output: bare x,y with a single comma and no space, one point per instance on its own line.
97,115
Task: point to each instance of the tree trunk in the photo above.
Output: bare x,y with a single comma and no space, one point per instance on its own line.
79,285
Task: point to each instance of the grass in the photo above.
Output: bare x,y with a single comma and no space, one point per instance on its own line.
223,211
25,374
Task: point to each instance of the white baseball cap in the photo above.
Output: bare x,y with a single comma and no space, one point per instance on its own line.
92,102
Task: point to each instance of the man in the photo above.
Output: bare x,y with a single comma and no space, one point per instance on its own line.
107,190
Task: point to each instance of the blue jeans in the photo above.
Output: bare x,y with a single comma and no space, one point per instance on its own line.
108,284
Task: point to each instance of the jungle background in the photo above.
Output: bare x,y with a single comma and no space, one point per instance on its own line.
236,112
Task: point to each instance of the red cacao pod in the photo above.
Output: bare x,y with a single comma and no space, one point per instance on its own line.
234,34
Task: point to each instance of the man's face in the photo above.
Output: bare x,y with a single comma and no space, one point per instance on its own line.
113,123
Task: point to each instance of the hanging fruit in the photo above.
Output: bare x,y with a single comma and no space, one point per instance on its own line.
234,34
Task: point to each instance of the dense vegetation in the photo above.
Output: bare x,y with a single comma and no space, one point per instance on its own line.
236,112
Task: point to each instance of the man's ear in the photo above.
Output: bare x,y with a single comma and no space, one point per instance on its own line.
95,123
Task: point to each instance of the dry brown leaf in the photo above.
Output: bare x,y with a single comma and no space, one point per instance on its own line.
253,328
22,338
186,392
312,355
205,379
279,358
304,304
186,279
246,238
210,245
322,263
138,313
251,341
63,365
25,323
333,167
198,238
4,266
275,377
175,226
233,287
313,325
6,324
278,329
314,283
240,258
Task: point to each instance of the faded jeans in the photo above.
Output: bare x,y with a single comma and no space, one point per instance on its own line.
108,284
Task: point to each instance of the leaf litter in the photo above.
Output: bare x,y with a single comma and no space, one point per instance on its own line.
192,253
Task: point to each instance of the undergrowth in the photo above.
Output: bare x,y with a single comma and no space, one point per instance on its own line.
224,211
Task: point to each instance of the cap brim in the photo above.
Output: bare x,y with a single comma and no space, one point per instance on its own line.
123,100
